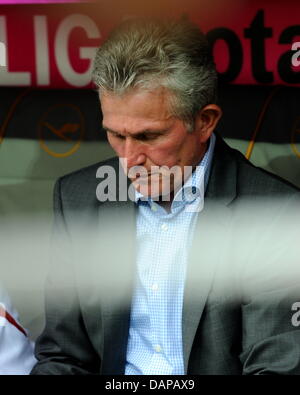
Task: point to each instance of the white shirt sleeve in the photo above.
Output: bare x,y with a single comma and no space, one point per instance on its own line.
16,349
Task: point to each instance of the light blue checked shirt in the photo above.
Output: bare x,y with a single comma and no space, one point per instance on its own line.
163,242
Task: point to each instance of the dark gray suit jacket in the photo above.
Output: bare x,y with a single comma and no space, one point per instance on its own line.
237,316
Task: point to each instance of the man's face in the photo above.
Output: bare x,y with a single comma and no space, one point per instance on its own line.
141,129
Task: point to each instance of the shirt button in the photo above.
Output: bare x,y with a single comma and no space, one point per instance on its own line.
154,287
164,227
157,348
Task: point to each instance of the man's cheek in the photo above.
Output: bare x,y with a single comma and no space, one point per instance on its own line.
162,157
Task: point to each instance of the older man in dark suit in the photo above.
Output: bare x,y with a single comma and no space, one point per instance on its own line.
178,256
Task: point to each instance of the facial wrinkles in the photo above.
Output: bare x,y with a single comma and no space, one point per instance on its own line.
163,145
152,114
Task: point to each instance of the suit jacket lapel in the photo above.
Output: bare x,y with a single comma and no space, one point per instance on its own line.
206,251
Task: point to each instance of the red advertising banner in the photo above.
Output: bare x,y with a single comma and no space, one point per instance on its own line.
52,45
41,1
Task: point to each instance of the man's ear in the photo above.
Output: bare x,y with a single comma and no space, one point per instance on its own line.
206,120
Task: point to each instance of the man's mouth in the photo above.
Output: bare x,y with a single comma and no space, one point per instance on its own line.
145,178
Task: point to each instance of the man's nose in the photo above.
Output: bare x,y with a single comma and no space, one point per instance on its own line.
134,153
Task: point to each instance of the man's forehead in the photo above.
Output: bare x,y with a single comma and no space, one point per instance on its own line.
154,102
136,111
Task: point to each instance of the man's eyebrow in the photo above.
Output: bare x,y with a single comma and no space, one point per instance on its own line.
142,132
109,130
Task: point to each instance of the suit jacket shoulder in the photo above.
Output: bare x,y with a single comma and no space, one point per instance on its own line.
78,189
230,165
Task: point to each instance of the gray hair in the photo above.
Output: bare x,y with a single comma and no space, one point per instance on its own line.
151,53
